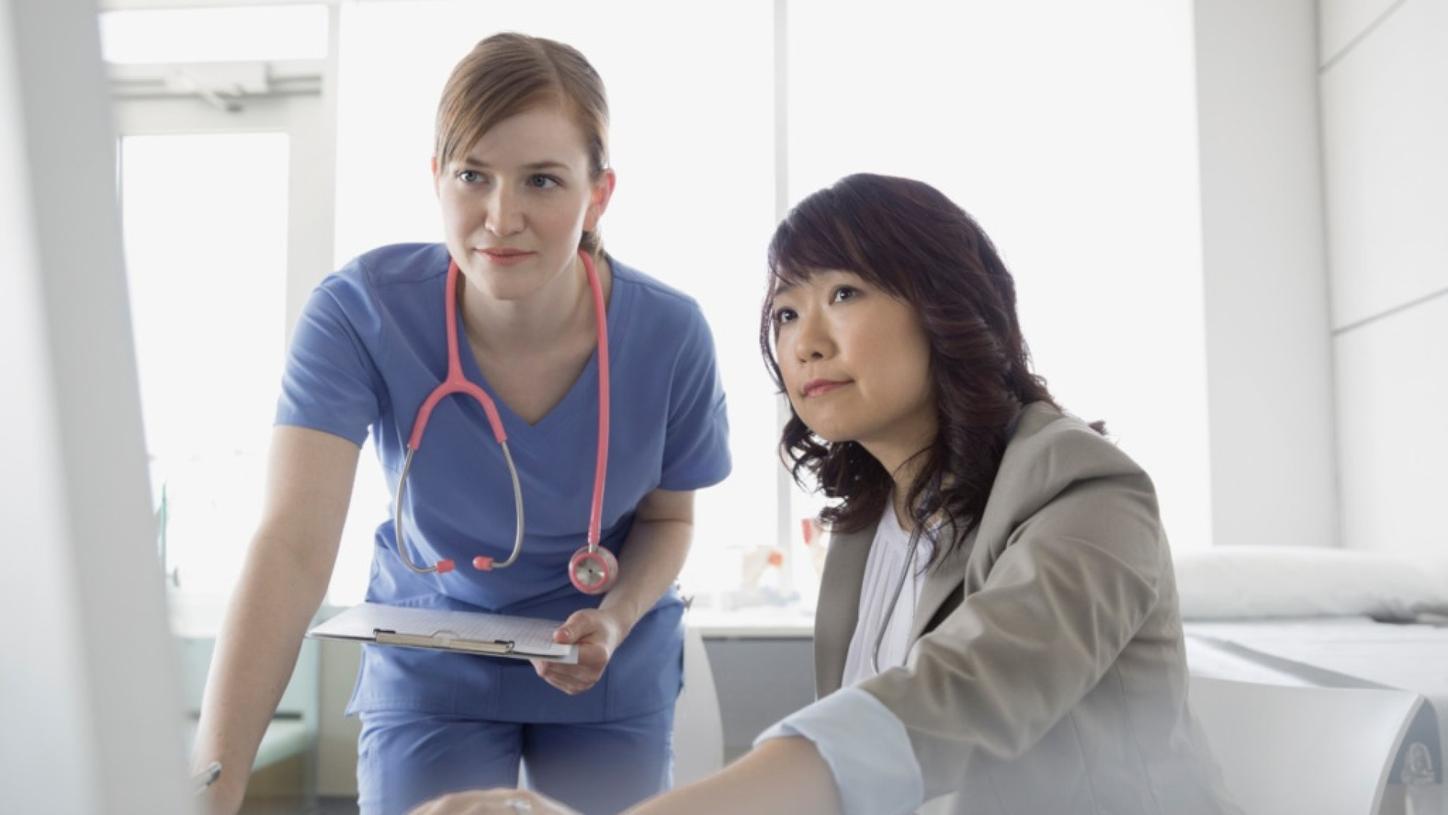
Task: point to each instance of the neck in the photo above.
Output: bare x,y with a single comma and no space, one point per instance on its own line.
550,316
905,477
903,461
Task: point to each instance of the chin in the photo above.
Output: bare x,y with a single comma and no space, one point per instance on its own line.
829,432
502,287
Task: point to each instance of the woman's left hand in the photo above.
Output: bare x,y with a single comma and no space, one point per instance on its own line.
493,802
597,634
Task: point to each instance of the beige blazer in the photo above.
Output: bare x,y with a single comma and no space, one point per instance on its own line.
1047,672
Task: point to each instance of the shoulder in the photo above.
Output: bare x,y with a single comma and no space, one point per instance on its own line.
1066,496
1052,452
372,277
665,305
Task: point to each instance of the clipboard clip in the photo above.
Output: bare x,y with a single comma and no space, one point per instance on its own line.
443,640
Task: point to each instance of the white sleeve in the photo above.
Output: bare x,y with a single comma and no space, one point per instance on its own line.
866,748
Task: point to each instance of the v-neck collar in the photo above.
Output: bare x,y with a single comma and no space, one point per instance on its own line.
582,394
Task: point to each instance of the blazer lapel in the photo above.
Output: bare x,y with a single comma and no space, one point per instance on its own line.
839,605
1004,509
946,576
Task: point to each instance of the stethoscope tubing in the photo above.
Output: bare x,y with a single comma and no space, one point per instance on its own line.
517,509
456,383
600,468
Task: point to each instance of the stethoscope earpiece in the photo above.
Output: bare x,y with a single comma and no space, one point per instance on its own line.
592,569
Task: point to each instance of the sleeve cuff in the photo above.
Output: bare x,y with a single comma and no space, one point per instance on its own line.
867,750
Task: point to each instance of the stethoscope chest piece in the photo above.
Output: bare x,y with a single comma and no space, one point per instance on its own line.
593,571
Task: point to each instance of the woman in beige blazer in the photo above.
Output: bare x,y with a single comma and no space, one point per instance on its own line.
998,616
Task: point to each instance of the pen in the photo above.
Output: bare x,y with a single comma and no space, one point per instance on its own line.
207,777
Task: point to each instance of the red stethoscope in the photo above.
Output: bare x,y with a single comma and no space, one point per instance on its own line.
592,569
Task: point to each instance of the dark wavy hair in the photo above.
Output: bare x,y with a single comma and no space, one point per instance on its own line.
911,241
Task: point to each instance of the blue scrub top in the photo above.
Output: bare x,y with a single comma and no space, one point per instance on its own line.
369,348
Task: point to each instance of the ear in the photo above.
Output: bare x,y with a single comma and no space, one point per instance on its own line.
599,197
436,179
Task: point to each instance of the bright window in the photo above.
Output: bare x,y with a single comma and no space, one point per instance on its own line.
205,228
1068,130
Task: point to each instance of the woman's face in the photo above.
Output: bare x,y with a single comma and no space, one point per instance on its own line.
515,206
855,363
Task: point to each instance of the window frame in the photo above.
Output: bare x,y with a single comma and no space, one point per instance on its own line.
299,110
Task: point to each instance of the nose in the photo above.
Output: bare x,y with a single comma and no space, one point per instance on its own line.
505,214
812,340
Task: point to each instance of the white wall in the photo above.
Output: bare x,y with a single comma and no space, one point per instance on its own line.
1384,86
1269,368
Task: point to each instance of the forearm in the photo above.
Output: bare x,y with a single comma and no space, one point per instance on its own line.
786,776
256,650
652,556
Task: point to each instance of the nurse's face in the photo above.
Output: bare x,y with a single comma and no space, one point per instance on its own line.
515,206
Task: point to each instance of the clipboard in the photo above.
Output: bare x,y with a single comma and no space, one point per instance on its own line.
469,632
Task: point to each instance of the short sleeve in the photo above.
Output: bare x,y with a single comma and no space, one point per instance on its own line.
696,445
331,381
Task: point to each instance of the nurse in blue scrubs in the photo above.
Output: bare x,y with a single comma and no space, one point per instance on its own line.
521,175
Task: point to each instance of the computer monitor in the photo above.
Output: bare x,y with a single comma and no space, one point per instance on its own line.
90,705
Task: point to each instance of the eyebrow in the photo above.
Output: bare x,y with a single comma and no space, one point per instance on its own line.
784,287
537,165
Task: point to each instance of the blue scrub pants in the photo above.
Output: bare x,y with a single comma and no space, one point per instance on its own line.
405,758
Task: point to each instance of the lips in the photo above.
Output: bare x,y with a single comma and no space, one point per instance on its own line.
819,387
505,257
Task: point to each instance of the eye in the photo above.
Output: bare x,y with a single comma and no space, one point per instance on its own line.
543,182
469,176
782,316
843,293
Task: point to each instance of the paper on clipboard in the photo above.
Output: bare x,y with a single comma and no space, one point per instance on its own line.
445,630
